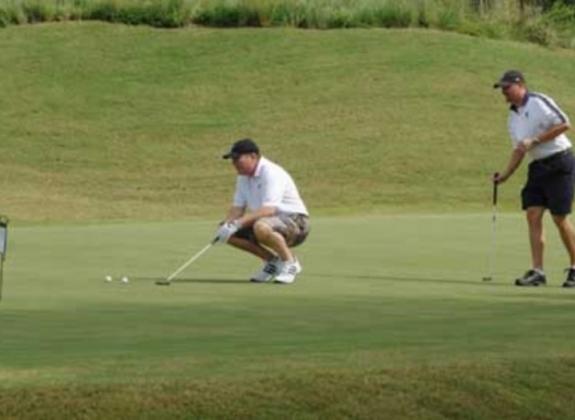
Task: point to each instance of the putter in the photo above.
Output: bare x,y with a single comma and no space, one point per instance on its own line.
169,279
3,245
492,253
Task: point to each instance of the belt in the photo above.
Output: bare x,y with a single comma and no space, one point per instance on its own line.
554,156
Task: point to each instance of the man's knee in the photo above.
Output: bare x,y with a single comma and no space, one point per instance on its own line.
266,233
562,222
262,230
534,216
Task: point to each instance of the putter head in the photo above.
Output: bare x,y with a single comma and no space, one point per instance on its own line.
489,278
163,283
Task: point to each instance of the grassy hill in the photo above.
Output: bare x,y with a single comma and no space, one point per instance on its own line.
107,121
389,319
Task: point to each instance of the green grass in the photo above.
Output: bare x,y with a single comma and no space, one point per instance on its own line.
368,325
115,122
111,144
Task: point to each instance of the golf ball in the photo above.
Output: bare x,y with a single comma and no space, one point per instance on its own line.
125,279
108,278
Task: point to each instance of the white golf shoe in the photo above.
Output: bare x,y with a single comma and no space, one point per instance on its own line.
288,270
267,272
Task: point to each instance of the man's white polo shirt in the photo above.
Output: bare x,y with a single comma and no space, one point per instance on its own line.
536,115
270,186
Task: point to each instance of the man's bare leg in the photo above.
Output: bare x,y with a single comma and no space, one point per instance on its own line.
252,248
268,237
567,236
536,235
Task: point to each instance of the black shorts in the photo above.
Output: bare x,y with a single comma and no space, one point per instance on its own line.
294,227
550,183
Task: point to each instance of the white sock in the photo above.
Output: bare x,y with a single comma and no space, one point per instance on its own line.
539,271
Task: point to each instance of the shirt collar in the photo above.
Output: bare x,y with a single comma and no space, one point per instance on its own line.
523,103
258,170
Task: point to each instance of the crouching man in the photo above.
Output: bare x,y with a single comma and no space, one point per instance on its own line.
267,217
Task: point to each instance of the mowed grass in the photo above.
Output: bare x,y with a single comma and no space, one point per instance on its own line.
390,317
104,122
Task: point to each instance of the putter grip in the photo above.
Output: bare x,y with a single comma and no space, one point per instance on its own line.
495,184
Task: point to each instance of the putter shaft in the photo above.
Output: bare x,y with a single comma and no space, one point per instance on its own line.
493,252
187,263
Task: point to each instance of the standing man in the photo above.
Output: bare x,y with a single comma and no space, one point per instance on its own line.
267,216
537,126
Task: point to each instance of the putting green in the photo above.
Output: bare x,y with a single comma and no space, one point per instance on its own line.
375,292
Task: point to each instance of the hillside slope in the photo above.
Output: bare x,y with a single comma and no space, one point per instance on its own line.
107,121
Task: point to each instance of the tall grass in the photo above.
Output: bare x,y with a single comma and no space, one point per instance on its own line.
493,19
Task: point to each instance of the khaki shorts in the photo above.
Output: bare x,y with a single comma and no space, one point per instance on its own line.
294,227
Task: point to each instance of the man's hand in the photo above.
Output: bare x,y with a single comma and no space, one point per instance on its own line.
499,178
225,231
527,144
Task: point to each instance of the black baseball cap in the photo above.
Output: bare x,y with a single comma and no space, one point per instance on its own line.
242,147
508,78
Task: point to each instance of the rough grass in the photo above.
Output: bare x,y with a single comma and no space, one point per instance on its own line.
514,390
118,122
501,19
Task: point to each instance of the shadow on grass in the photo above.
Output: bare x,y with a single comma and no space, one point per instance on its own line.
527,291
498,282
414,279
381,277
191,280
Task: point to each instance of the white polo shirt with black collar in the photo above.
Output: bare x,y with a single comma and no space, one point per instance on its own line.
536,115
269,186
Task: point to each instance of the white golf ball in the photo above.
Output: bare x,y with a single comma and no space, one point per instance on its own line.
125,279
108,278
